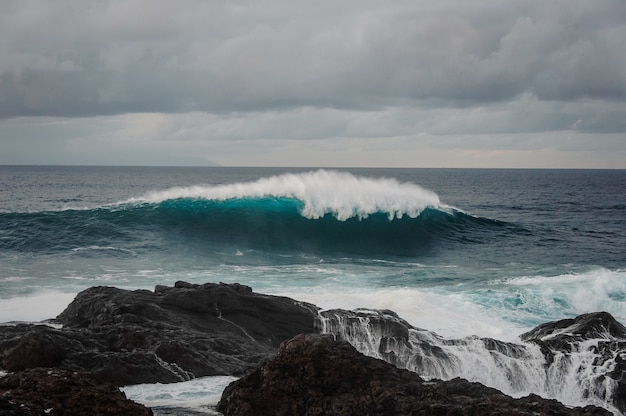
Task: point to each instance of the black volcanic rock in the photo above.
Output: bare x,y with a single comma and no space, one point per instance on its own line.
587,352
316,375
45,391
208,307
561,335
177,333
171,334
597,333
383,334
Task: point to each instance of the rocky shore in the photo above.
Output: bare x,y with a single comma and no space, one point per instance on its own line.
317,375
113,337
168,335
46,391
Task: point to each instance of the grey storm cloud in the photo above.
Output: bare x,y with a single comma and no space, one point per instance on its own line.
481,83
87,58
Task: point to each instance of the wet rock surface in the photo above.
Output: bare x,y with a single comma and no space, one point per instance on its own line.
177,333
42,391
595,333
587,353
168,335
316,375
564,334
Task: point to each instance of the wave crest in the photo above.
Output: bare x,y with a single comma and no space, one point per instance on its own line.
322,192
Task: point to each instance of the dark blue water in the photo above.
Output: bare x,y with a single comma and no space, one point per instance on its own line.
484,251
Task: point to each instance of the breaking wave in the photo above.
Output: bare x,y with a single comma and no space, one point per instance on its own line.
324,211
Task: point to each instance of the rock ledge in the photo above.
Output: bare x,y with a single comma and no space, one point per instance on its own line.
316,375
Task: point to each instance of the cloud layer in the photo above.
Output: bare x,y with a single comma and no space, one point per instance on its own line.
484,75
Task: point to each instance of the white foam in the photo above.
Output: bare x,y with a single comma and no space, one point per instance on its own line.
341,194
44,304
198,394
102,248
448,314
486,311
597,290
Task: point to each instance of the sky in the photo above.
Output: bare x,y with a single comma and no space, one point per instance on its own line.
352,83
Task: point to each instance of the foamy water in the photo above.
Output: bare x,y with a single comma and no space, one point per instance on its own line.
200,394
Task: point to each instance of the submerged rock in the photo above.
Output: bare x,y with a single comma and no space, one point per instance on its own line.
317,375
45,391
171,334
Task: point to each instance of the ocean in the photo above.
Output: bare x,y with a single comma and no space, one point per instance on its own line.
462,252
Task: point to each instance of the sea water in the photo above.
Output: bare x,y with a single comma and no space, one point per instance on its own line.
460,252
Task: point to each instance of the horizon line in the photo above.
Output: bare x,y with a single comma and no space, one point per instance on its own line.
300,167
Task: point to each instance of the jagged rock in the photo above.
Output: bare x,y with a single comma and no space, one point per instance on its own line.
562,335
176,333
561,362
35,348
597,333
383,334
171,334
46,391
316,375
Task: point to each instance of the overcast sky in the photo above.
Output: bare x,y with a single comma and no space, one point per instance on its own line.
417,83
